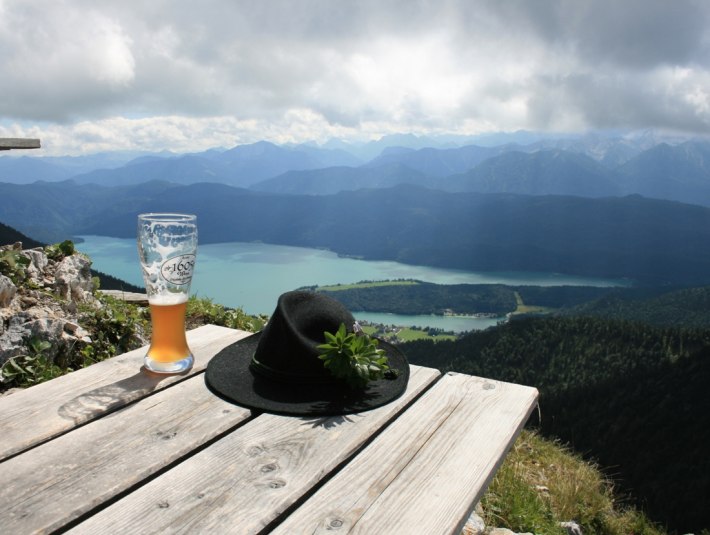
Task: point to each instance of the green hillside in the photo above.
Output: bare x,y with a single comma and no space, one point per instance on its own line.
638,239
543,484
689,307
417,297
9,235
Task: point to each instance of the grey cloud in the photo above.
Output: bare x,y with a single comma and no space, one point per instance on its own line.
520,64
629,33
613,101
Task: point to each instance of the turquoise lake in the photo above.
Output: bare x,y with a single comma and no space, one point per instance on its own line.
253,275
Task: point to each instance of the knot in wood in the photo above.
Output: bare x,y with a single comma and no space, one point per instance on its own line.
269,467
335,523
255,451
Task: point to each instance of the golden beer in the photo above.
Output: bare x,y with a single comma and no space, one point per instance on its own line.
168,342
167,247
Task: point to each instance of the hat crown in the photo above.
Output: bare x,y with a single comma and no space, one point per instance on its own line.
288,347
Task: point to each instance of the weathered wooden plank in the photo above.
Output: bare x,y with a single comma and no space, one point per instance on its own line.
129,297
52,484
427,470
38,413
246,479
7,143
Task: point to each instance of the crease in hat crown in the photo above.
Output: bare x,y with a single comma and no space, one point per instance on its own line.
287,350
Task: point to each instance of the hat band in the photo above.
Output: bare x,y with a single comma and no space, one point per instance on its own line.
277,375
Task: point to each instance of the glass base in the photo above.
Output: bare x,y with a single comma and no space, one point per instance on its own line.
178,366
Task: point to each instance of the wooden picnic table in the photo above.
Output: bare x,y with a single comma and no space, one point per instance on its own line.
113,449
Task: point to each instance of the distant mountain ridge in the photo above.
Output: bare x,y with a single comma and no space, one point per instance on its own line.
439,162
563,205
588,166
546,172
679,173
615,237
240,166
337,179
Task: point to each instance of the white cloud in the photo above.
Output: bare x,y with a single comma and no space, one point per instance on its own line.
85,75
60,63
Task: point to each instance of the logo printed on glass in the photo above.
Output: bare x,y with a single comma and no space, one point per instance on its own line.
178,269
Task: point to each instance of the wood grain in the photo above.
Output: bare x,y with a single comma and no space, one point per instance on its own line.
248,478
52,484
36,414
425,473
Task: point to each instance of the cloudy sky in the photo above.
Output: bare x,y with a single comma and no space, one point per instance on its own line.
90,75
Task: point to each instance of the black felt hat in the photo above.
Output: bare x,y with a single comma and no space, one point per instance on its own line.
278,370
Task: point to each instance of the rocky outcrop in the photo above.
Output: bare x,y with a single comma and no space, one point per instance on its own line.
72,279
7,291
42,306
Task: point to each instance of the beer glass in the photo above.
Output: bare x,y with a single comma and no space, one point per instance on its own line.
167,245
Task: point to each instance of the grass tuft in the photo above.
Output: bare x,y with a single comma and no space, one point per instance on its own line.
541,484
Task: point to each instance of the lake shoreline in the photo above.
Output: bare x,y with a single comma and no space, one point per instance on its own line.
251,276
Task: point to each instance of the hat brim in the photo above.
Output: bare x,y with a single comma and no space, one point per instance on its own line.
229,376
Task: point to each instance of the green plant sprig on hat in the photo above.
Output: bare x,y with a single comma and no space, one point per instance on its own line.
353,357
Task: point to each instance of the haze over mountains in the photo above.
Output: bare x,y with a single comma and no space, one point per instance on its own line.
592,166
612,207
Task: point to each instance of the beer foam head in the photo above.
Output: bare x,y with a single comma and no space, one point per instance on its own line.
168,298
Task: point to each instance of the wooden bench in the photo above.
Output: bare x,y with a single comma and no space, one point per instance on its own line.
113,449
7,143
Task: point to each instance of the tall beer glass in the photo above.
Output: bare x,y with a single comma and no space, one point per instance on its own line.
167,245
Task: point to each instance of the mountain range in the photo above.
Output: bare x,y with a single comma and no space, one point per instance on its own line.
592,166
592,206
644,240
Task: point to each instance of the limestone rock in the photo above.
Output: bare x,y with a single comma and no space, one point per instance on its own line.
572,528
474,525
45,327
38,264
72,279
74,329
29,314
12,342
7,291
